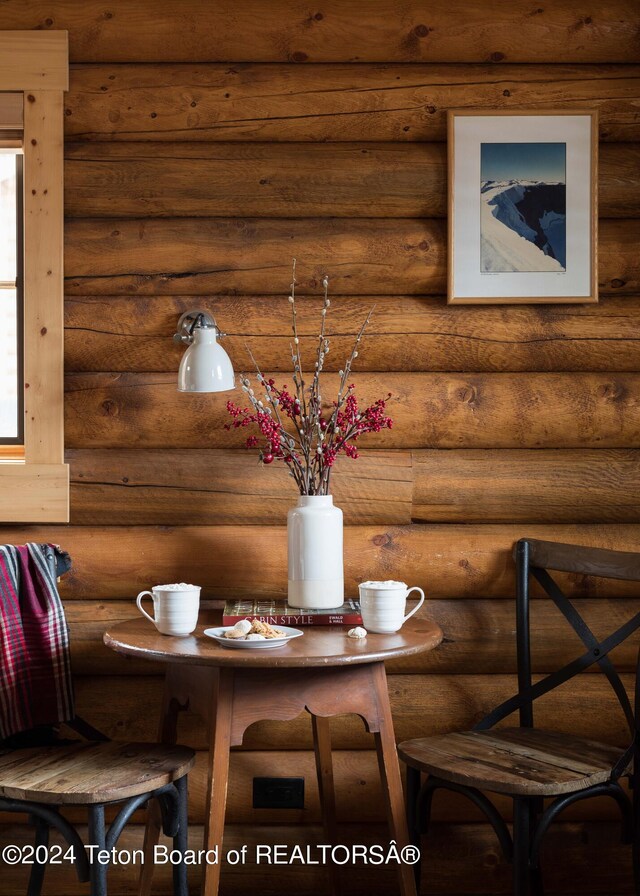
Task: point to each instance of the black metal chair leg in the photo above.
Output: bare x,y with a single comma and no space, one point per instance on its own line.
537,887
521,847
413,792
36,877
536,807
635,846
180,885
97,839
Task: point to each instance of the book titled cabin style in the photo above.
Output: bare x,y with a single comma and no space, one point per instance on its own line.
278,612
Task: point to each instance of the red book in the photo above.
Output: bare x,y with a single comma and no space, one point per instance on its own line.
278,612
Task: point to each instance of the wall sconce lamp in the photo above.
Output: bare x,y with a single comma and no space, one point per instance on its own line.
205,366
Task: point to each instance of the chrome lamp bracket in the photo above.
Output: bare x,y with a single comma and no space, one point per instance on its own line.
190,321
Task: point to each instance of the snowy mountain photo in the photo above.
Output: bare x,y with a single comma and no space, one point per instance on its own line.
523,207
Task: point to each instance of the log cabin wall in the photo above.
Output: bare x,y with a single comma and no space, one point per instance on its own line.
207,144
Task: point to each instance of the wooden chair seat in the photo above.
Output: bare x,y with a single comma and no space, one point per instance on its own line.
90,773
516,761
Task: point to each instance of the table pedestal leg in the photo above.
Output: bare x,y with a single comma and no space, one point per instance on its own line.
390,777
324,772
360,689
232,699
219,745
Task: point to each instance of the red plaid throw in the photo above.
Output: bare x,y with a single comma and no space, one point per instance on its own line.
35,669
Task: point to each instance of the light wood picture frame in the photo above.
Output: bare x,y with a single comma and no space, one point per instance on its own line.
522,207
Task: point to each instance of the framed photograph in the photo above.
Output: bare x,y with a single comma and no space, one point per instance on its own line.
523,207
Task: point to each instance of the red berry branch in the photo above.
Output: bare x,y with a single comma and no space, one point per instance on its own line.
296,427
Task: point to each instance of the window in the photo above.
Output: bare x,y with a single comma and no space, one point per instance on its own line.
11,379
34,480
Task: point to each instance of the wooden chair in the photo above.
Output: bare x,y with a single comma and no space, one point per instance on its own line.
49,775
527,763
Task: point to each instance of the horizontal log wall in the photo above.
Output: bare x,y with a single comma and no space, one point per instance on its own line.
207,144
406,333
342,31
270,103
455,562
290,180
371,256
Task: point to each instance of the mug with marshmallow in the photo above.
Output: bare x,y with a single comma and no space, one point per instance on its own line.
175,608
383,605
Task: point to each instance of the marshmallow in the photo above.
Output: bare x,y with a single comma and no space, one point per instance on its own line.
239,630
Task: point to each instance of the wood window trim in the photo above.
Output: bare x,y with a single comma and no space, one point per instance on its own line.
35,64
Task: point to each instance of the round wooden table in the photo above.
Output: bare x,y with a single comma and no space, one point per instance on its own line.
231,689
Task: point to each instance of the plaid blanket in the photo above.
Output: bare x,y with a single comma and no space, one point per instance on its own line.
35,669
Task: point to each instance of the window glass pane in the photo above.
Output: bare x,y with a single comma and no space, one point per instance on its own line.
8,210
8,365
9,374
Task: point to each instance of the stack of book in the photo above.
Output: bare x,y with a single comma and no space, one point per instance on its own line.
278,612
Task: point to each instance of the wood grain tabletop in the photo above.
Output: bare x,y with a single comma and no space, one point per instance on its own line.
319,646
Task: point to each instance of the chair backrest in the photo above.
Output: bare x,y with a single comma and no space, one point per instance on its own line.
534,559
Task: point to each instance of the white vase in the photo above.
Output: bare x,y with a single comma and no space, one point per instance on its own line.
316,571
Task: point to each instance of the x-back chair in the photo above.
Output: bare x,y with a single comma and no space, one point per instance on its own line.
44,777
527,763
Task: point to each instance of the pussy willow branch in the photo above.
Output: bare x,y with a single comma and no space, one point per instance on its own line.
310,470
315,398
295,350
298,381
345,376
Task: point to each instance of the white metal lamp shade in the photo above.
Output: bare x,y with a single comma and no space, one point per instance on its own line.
205,366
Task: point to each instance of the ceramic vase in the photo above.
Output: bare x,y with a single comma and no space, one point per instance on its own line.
316,571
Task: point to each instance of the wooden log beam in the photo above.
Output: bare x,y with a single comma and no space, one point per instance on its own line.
362,256
221,487
450,561
295,180
405,103
180,487
406,333
261,180
194,255
527,486
421,705
157,30
492,410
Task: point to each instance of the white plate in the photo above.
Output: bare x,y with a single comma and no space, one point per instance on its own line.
218,635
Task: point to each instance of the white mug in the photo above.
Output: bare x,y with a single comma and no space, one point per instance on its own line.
383,605
175,608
